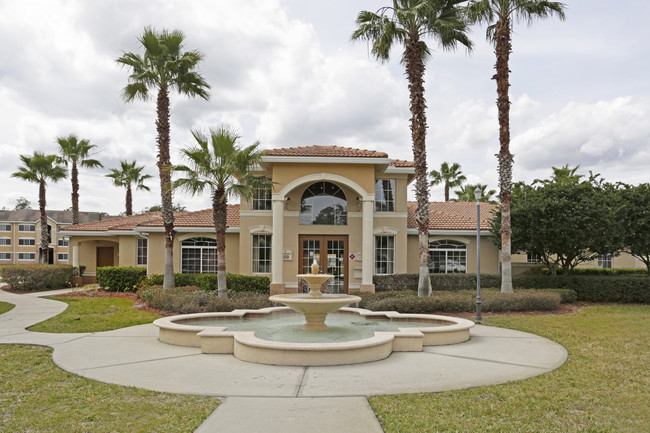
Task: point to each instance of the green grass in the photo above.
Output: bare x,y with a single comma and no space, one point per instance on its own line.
94,315
35,395
5,306
603,387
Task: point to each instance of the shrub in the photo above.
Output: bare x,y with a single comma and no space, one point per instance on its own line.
439,282
38,277
623,288
235,283
120,278
603,272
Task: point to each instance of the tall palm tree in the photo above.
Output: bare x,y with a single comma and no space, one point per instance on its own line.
40,169
77,153
452,176
466,193
407,22
499,15
219,164
164,67
129,176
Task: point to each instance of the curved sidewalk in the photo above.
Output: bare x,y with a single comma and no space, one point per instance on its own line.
133,356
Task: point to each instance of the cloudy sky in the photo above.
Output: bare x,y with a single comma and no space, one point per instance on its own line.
286,73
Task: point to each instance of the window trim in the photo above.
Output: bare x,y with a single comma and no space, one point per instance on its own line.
605,261
59,259
447,251
8,257
21,228
139,259
201,248
27,245
3,228
3,239
262,199
270,254
388,249
27,260
387,204
340,219
65,242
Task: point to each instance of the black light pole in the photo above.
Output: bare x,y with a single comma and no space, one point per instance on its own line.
477,195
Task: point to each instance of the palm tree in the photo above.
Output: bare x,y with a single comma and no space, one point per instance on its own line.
219,164
566,174
76,152
40,169
466,193
128,176
407,22
498,15
450,175
164,67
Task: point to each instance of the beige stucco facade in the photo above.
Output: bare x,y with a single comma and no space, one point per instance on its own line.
20,243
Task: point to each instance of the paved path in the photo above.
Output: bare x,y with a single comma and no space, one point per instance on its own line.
280,399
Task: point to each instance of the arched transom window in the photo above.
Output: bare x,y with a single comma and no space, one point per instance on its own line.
199,256
323,203
447,256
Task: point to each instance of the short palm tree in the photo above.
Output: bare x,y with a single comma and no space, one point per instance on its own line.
129,176
451,175
407,22
77,153
40,169
499,15
164,67
466,193
219,164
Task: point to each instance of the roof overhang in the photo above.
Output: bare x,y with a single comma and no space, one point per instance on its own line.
70,233
326,160
142,230
413,231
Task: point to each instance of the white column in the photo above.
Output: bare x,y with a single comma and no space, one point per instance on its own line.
367,245
277,280
75,256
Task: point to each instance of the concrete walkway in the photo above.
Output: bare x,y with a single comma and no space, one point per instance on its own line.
279,398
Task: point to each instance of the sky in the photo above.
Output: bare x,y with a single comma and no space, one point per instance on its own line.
286,73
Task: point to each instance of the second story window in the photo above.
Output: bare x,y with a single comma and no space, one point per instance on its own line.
5,227
323,203
5,241
262,199
26,227
26,242
385,195
63,242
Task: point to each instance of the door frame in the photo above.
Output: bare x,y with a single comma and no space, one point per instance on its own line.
323,246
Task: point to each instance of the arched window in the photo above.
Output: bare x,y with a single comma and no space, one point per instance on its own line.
199,256
323,203
446,256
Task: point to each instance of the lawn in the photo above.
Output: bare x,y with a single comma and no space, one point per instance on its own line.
5,306
92,314
603,387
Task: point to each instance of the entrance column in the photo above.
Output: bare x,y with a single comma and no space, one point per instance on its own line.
367,252
277,280
75,256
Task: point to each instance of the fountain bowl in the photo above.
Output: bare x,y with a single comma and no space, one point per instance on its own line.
315,308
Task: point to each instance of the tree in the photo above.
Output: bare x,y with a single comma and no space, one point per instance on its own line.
219,164
128,176
157,208
76,152
407,22
568,174
466,193
634,216
22,203
499,15
450,175
164,67
40,169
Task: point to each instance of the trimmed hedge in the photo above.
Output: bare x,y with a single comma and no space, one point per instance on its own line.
236,283
603,272
120,278
439,282
192,299
38,277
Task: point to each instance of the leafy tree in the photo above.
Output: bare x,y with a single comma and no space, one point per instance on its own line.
128,176
568,174
451,175
77,153
157,208
633,214
219,164
466,193
164,67
22,203
499,15
407,22
40,169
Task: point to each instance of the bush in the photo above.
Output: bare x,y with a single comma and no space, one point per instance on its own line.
192,299
120,278
603,272
38,277
591,288
235,283
439,282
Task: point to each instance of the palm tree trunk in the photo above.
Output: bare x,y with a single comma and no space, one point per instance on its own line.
44,256
502,51
164,165
219,214
129,200
446,190
415,75
74,174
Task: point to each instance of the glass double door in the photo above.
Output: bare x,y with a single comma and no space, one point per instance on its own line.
330,252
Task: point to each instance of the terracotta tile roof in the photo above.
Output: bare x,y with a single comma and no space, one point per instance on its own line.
402,163
453,215
326,151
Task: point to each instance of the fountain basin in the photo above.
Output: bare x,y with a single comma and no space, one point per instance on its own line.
315,308
244,345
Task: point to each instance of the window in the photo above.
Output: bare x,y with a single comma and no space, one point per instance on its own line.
384,255
323,203
447,256
26,242
199,256
5,227
63,242
605,261
385,195
26,227
62,257
5,256
532,258
26,256
261,257
142,253
262,199
5,241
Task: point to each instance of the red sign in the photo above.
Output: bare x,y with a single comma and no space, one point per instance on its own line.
352,256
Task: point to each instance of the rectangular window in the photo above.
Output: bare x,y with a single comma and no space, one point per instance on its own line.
384,255
5,227
5,256
26,242
385,195
262,199
62,257
532,258
143,246
63,242
5,241
605,261
26,227
261,254
26,256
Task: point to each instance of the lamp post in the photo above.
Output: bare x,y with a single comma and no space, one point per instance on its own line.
477,195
